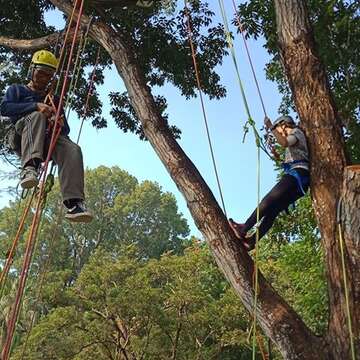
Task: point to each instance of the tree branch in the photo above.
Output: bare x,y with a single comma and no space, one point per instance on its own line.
121,3
30,44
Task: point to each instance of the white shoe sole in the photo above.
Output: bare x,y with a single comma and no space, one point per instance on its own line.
29,183
79,218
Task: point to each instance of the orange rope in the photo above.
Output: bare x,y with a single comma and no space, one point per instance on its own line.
197,75
264,355
42,280
11,252
62,51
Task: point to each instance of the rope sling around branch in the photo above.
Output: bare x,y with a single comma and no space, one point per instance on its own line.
35,222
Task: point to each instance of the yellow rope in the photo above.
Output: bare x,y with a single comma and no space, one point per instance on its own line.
256,285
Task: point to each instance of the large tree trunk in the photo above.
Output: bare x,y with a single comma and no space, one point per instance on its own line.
315,106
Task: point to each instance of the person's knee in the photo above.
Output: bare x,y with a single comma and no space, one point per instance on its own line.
38,120
76,152
267,202
77,149
38,115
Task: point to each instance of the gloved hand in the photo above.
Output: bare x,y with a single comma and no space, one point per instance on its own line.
268,123
47,110
60,121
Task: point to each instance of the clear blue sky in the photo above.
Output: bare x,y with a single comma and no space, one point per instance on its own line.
236,161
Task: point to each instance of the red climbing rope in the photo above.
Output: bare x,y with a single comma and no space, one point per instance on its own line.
11,251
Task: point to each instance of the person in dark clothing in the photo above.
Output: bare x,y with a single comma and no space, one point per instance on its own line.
24,106
291,187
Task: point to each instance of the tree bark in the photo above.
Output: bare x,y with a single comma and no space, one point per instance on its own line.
318,114
350,221
31,44
120,3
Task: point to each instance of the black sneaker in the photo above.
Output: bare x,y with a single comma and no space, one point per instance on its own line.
78,213
29,177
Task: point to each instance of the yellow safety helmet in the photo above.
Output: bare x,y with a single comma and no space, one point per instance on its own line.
46,58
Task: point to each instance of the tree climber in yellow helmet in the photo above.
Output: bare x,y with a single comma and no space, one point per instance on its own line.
24,105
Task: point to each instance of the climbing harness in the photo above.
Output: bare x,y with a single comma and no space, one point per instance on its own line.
303,181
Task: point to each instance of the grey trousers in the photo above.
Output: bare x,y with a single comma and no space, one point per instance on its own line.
67,155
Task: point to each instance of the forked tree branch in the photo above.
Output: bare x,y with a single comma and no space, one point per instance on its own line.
30,44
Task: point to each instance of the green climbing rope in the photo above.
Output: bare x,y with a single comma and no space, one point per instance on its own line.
259,144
